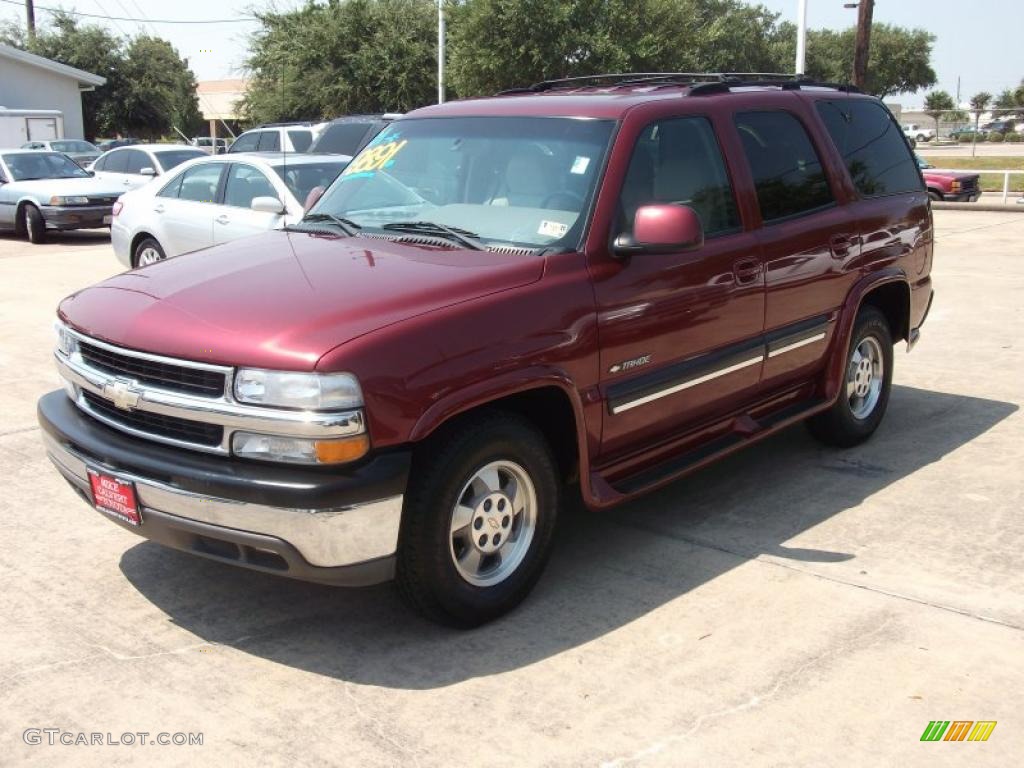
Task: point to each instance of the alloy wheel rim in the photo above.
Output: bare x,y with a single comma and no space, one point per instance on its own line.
148,255
864,377
493,523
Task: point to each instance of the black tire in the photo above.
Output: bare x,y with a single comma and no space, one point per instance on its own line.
34,225
426,572
148,243
840,426
934,195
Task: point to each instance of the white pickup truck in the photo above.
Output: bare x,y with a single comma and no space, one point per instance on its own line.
919,132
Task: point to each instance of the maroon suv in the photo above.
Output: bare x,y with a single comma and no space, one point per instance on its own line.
597,284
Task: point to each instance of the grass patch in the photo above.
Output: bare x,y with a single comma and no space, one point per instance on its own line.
989,182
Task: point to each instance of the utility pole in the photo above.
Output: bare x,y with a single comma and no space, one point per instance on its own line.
865,10
440,51
30,19
801,37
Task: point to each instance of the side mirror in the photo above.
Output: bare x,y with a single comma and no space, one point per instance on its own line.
147,171
267,205
313,197
661,228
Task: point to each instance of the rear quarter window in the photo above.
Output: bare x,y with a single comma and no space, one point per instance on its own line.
872,145
341,138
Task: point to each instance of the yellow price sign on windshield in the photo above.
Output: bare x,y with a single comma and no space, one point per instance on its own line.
375,158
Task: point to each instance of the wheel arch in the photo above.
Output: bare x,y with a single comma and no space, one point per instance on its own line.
137,239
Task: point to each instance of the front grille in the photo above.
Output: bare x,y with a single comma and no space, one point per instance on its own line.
177,378
156,424
969,183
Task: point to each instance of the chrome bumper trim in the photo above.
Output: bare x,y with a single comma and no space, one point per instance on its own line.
324,537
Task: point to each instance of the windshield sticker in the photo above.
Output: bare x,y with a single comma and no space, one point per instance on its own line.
580,165
375,158
552,228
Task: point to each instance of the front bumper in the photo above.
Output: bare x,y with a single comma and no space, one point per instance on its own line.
77,216
334,527
962,197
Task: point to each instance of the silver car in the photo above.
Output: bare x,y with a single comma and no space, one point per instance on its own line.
40,191
216,199
139,164
82,152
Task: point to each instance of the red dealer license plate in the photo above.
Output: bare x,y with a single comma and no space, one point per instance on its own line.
114,497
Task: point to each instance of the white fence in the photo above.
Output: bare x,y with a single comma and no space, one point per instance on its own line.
1006,176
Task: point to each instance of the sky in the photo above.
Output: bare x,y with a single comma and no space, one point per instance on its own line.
979,41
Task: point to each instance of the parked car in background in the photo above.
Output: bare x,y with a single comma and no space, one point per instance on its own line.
568,295
966,133
348,135
949,186
208,145
276,137
141,163
217,199
109,144
82,152
919,132
41,191
1000,126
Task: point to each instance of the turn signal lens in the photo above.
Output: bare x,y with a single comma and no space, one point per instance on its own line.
339,451
117,208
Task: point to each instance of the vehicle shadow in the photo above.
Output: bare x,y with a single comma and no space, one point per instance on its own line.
71,237
607,570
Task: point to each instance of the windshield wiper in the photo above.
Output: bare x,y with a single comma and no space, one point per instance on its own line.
461,236
347,226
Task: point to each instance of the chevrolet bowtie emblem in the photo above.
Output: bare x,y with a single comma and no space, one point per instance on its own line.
122,394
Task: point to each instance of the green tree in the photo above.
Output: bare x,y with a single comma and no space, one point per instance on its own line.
900,58
342,57
149,87
500,44
937,104
979,103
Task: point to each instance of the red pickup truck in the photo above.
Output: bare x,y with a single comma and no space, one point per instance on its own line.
589,286
950,186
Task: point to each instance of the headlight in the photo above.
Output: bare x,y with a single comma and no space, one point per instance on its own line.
299,450
69,200
67,342
307,391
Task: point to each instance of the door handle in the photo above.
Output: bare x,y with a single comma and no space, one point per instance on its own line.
746,270
840,245
223,219
158,209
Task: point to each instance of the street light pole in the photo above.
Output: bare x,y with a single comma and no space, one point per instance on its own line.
440,51
30,19
865,10
801,37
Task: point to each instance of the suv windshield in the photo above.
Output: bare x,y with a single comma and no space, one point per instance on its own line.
523,181
25,166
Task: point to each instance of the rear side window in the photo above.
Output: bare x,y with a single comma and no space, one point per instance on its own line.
872,146
270,141
301,140
679,161
246,142
788,175
341,138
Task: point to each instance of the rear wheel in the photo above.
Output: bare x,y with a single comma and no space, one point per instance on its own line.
864,395
478,520
147,252
34,225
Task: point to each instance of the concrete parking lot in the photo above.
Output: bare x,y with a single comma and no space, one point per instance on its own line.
794,605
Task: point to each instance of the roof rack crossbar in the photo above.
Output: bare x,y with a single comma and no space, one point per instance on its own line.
791,83
698,82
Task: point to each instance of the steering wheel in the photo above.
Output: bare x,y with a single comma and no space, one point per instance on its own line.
575,201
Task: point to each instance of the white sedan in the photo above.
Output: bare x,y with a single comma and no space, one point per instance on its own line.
138,164
216,199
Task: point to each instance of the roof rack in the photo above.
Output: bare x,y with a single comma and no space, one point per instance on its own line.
285,124
698,82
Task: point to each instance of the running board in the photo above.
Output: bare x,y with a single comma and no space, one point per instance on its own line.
745,431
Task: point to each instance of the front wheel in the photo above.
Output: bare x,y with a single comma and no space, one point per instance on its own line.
934,195
478,520
864,394
147,252
34,224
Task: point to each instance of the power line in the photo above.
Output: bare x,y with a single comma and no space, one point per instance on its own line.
236,20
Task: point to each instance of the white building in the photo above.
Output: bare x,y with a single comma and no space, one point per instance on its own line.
30,82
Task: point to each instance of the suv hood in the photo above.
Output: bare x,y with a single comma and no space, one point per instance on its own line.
284,299
46,188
